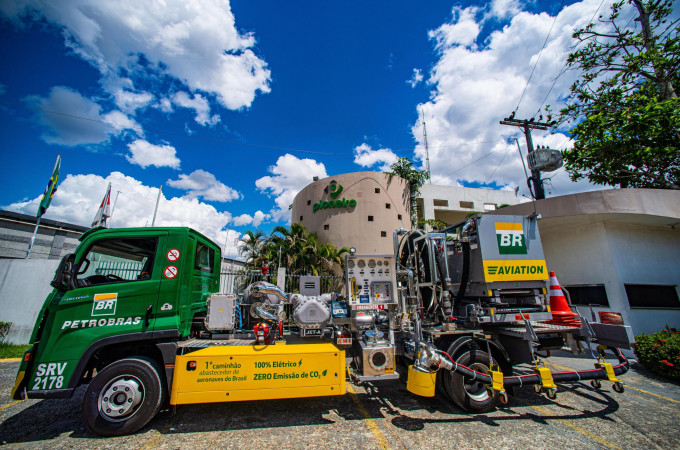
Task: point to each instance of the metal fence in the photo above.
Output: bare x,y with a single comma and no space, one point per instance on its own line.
127,270
236,282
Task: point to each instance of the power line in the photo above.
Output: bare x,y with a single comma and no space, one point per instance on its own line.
467,165
142,130
539,55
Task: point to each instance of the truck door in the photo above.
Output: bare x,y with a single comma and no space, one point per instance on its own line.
117,281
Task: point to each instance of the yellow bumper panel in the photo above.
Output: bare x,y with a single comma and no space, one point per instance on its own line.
236,373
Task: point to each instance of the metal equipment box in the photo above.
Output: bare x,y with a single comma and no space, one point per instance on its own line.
220,312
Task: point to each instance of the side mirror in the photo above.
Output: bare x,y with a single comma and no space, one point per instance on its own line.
63,277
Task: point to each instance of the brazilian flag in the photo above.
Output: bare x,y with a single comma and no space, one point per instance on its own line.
50,189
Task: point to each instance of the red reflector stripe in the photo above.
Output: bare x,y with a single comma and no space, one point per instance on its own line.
519,317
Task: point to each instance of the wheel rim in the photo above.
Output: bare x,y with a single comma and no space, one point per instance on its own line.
120,398
475,389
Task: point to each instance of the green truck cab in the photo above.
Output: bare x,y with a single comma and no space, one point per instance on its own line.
124,292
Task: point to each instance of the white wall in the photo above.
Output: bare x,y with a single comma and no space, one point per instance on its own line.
614,254
646,255
455,195
24,285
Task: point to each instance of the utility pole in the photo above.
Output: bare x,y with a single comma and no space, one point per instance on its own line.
526,127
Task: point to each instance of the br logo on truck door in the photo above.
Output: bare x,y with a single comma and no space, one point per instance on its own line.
104,304
510,237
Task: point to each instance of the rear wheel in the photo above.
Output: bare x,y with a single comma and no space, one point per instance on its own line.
123,397
470,394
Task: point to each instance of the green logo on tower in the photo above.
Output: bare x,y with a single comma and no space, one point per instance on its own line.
335,189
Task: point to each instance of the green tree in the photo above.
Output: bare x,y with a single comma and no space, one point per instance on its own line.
403,168
624,105
253,246
301,252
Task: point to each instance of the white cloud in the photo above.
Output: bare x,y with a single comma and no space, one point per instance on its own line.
199,104
78,197
194,42
462,30
145,154
365,156
84,125
246,219
165,105
129,101
476,84
289,175
200,183
505,8
416,78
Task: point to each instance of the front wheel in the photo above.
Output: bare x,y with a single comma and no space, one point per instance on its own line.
470,394
123,397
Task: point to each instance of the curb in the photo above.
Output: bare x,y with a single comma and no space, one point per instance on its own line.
7,360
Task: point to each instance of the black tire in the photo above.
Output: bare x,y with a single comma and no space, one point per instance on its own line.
123,397
468,394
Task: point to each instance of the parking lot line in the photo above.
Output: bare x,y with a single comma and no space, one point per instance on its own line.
584,432
379,436
663,397
10,404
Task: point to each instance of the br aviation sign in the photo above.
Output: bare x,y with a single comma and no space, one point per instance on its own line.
515,254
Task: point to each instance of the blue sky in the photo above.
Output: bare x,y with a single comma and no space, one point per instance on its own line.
234,106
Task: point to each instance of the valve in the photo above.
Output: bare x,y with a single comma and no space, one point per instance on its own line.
261,333
497,383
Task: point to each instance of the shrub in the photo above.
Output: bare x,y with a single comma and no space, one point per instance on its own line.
660,352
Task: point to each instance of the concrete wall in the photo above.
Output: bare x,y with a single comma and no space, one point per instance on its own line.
24,285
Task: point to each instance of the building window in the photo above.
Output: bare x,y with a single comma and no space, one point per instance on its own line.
309,202
398,216
370,218
377,190
438,202
489,206
652,296
388,206
383,234
300,218
594,294
468,205
326,227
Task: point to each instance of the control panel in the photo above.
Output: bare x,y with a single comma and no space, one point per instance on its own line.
371,279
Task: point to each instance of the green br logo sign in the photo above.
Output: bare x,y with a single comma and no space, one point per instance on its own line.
510,236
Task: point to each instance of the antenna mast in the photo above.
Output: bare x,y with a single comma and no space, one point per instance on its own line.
427,150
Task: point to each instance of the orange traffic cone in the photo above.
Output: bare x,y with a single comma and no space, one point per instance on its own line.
562,314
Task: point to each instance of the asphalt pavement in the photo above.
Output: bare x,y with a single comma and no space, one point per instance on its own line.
377,415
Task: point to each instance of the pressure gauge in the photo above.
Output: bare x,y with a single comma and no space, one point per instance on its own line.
371,263
350,264
361,264
387,263
379,263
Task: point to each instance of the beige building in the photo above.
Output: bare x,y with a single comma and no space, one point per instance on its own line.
359,210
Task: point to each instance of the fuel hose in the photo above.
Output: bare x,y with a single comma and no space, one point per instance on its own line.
592,374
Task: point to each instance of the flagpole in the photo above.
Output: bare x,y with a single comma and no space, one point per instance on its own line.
35,231
158,199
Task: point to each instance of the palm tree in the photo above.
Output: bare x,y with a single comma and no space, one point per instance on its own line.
252,246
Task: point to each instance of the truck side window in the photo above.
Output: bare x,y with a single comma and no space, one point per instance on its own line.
117,260
205,257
